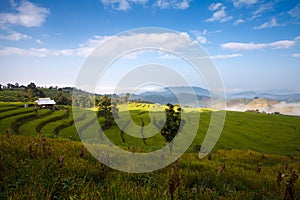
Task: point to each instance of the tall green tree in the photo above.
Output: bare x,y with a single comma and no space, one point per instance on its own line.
18,97
61,99
32,92
173,124
107,109
126,97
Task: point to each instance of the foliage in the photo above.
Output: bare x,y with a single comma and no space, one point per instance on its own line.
21,93
108,110
36,167
274,134
43,168
173,124
32,92
61,99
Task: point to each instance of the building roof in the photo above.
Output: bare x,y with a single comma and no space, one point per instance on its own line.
45,101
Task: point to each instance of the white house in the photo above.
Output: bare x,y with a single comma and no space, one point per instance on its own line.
45,102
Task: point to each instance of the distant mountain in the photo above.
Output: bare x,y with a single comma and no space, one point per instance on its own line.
186,95
289,98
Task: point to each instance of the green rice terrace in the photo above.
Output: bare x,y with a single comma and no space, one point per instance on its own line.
41,157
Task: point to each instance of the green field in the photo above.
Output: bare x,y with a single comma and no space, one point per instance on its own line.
248,140
30,175
273,134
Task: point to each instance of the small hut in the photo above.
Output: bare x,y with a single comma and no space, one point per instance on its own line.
45,103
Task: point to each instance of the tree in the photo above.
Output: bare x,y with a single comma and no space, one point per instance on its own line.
10,86
107,109
61,99
31,86
33,92
18,97
30,94
126,97
173,124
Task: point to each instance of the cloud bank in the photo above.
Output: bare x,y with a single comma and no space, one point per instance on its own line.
26,14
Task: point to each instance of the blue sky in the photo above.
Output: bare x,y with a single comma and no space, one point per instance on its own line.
255,44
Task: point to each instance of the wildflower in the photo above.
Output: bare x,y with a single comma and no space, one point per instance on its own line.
30,152
259,166
60,162
8,132
194,190
292,157
221,169
279,178
82,151
209,157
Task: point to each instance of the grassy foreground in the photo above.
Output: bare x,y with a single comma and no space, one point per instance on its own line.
265,166
37,168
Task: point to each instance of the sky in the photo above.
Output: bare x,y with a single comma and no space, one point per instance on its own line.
254,44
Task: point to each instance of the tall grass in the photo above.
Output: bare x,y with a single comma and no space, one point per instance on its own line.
69,172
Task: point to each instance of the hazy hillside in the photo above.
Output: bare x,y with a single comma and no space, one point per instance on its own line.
289,98
185,95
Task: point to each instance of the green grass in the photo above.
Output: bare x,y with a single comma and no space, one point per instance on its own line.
26,175
49,128
7,108
274,134
247,140
10,95
71,130
14,112
29,128
8,122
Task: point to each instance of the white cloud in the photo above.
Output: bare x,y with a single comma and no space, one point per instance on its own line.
171,41
162,4
296,55
295,12
86,48
219,13
175,4
238,3
83,49
225,56
124,5
39,41
239,21
270,24
139,1
168,56
201,39
117,4
283,44
182,5
222,56
242,46
214,6
262,8
26,14
200,36
15,36
6,51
